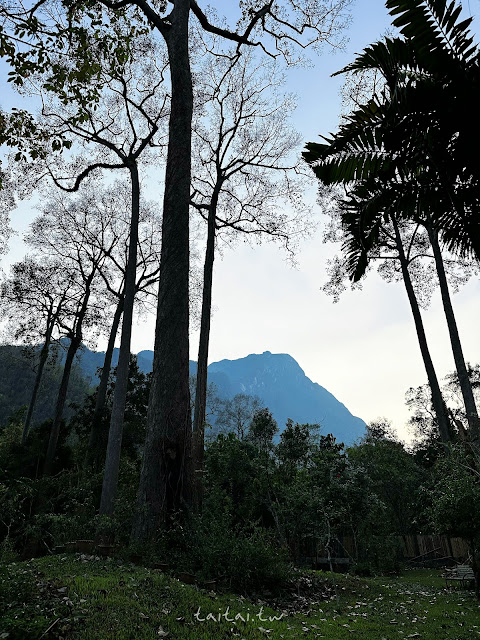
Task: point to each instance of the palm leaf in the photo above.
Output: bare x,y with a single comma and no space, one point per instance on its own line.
388,56
432,28
407,150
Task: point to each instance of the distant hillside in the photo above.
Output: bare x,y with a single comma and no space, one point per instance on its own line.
276,378
17,376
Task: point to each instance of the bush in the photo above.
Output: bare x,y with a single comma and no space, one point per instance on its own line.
244,559
48,511
379,554
26,460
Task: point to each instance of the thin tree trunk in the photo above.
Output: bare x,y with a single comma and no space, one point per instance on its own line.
114,446
61,398
95,452
470,223
202,364
165,480
437,399
75,343
38,378
463,378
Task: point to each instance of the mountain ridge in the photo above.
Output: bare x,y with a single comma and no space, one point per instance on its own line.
277,379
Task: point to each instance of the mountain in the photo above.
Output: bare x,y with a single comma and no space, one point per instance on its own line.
90,361
276,378
283,387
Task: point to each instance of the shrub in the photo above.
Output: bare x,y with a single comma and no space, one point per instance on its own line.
244,559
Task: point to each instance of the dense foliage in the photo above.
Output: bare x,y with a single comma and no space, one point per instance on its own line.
270,500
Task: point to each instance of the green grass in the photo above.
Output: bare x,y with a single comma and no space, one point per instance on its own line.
67,597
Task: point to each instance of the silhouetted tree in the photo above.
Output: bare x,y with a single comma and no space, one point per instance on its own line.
246,182
37,301
117,199
67,230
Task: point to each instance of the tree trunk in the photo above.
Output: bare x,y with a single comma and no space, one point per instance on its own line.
95,452
437,399
38,378
165,480
62,396
202,364
75,343
463,378
114,446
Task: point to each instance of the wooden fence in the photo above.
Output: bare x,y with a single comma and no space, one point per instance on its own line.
434,547
412,547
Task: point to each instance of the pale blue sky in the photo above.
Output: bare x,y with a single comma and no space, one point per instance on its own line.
364,348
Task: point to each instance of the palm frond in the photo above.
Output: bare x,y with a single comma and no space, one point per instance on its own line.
432,28
388,56
350,167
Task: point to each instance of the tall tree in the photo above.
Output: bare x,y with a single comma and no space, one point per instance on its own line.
360,86
65,231
125,128
36,301
380,193
117,199
279,27
438,401
121,130
246,182
401,249
460,364
403,147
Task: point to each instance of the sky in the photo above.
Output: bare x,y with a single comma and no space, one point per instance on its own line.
363,349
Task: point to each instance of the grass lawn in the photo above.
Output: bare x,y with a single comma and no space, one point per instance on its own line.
78,598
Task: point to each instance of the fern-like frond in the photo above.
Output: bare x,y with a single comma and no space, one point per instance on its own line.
431,26
388,56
